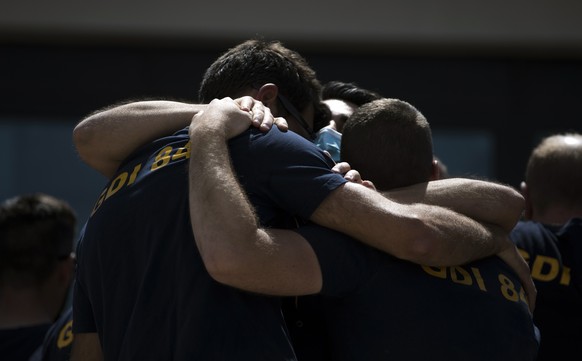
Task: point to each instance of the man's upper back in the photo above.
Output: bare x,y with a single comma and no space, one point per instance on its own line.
141,281
379,307
554,254
142,285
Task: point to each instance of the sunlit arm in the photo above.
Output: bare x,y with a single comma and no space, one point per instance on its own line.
484,201
425,234
106,137
234,249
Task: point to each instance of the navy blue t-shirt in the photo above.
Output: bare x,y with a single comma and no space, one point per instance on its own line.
140,281
58,340
19,344
554,254
377,307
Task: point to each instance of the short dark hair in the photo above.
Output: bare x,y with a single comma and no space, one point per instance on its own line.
256,62
36,230
389,142
349,92
554,172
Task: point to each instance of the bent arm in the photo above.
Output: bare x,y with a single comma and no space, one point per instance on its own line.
497,205
484,201
234,249
424,234
106,137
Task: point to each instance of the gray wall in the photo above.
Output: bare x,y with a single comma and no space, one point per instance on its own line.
547,23
38,156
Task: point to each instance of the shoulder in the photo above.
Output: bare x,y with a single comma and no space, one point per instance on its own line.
527,229
59,338
345,262
282,144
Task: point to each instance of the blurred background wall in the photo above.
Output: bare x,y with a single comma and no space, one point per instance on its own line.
491,77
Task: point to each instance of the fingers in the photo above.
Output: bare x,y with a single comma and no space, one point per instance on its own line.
341,168
261,116
245,103
281,123
512,257
223,116
369,184
353,176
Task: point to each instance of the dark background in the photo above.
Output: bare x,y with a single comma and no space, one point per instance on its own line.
498,93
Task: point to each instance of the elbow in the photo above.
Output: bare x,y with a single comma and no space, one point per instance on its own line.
91,150
515,205
424,251
222,269
82,138
438,242
518,202
223,263
422,243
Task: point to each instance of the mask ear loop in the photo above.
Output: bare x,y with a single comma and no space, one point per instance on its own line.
290,108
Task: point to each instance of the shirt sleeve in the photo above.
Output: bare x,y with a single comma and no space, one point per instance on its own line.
82,310
283,170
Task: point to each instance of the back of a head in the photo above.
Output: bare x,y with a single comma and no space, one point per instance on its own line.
554,173
389,142
36,231
256,62
348,92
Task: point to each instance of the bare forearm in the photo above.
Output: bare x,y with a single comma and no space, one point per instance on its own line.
105,138
224,223
483,201
220,214
424,234
234,249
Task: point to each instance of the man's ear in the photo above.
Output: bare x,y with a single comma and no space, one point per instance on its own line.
528,212
66,270
268,95
435,173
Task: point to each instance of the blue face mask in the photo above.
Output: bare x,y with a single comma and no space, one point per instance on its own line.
330,140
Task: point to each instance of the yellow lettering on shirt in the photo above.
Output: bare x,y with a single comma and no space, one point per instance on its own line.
65,335
124,179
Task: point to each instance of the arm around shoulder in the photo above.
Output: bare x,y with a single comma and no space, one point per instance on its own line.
234,249
484,201
106,137
420,233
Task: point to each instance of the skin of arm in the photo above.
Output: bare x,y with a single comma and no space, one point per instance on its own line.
424,234
102,142
239,253
98,142
235,250
101,138
485,201
86,347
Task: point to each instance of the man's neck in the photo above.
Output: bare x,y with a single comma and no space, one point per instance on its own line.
22,308
556,216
